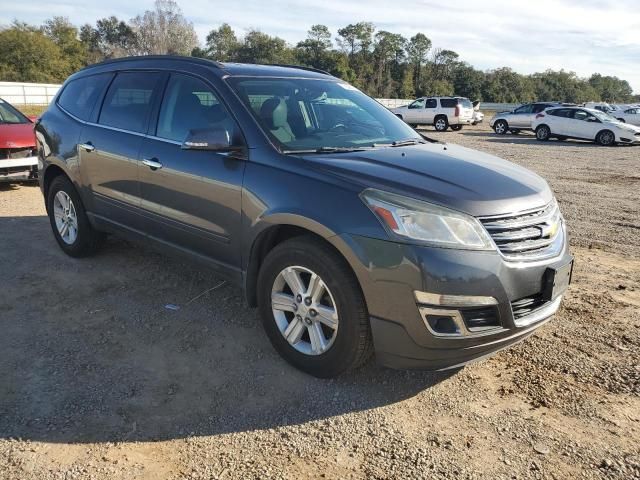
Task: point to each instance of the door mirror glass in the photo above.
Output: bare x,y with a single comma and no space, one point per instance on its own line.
212,139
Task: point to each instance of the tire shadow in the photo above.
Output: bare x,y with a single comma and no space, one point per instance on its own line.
92,354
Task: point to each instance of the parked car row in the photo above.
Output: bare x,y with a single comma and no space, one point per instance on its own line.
596,122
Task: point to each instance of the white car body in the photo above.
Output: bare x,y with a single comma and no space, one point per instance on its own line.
585,124
630,115
441,112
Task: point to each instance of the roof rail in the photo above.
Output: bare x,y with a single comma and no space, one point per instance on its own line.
300,67
159,57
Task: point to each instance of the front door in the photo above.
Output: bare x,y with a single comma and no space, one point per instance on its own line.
192,198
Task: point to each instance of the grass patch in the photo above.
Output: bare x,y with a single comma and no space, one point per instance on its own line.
32,109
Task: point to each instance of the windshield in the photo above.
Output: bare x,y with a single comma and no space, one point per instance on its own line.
9,114
314,115
602,116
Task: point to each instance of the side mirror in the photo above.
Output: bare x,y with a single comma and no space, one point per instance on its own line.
211,139
593,119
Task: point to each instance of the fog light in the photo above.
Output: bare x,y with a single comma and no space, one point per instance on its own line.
442,324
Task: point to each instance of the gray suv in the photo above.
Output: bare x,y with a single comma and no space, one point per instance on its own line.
350,232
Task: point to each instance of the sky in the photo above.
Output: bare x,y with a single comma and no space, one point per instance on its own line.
584,36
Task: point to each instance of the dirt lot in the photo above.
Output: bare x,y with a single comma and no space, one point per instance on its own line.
99,380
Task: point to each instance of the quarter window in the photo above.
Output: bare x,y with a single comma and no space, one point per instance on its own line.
190,104
128,101
79,96
448,102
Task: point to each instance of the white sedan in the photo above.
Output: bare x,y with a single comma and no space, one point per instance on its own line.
585,124
630,115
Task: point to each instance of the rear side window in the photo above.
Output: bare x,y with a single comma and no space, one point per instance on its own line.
128,101
79,96
540,107
561,112
448,102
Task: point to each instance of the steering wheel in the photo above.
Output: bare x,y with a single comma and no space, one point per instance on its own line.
337,126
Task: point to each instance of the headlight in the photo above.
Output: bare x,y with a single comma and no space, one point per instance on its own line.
421,221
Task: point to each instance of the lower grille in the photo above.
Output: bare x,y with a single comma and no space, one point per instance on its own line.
526,306
529,235
7,153
479,319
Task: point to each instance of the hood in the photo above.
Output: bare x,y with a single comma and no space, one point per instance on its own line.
624,126
17,136
449,175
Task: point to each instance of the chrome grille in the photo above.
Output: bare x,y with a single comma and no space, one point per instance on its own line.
529,235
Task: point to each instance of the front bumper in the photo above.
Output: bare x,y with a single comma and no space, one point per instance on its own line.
391,274
18,169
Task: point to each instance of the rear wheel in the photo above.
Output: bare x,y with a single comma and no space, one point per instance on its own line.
456,128
606,138
441,123
500,127
71,227
312,308
543,133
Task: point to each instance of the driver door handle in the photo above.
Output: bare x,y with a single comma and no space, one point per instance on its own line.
152,163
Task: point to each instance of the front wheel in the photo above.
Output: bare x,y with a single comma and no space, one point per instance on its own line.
606,138
441,124
456,128
71,227
312,308
500,127
543,133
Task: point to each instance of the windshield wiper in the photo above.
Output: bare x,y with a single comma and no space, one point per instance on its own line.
326,150
401,143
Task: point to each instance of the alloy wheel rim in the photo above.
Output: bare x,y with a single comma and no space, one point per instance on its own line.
542,133
500,128
66,218
607,138
440,124
304,310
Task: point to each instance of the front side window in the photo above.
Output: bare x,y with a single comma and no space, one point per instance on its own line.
419,103
10,114
311,114
189,104
581,115
524,109
128,101
80,96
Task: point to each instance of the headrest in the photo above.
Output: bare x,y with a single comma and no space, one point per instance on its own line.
274,112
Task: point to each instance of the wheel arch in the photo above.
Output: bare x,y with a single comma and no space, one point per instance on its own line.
50,174
275,233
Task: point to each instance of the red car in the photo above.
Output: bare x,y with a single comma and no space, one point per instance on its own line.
18,158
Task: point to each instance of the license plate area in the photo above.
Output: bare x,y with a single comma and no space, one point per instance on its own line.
556,281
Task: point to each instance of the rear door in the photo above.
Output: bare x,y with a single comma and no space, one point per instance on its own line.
430,110
560,121
192,198
110,148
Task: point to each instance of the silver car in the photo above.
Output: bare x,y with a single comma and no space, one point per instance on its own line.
518,119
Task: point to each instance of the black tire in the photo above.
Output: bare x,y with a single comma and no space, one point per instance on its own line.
561,138
622,120
606,138
441,123
456,128
501,127
88,240
515,131
543,133
353,344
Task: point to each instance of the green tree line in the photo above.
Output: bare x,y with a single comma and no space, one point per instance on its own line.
381,63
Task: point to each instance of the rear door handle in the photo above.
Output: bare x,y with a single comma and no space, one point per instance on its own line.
152,163
87,147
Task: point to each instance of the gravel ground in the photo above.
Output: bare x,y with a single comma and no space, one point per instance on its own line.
99,380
